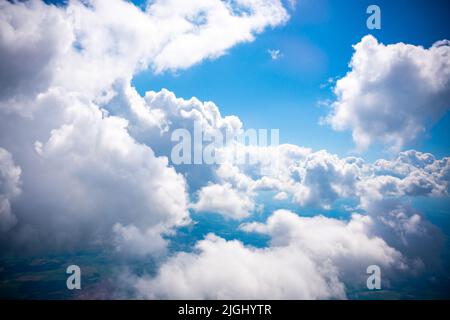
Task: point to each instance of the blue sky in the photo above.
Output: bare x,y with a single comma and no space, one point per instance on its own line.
316,44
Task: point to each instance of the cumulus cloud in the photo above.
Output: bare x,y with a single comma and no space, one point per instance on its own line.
308,258
90,174
87,180
32,36
348,244
9,189
319,179
87,46
223,199
392,92
99,41
381,190
133,241
86,174
154,117
206,29
408,231
411,173
228,270
325,177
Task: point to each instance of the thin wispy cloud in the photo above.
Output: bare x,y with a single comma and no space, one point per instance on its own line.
275,54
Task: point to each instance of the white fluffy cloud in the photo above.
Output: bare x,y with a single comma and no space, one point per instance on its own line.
228,270
88,45
206,29
324,178
154,117
83,173
308,259
380,188
223,199
131,240
411,173
392,92
319,179
91,176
